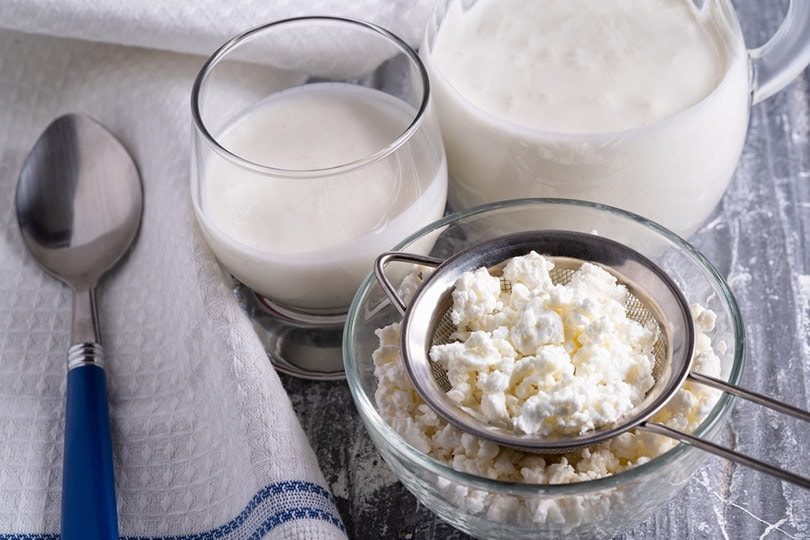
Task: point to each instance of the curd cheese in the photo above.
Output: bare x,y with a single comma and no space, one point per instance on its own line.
541,358
404,410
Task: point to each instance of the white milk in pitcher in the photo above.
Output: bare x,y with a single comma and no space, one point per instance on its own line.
636,104
307,239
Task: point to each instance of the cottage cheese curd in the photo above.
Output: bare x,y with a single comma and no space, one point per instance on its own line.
542,358
404,410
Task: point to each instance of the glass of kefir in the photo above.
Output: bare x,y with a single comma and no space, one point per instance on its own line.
639,105
315,148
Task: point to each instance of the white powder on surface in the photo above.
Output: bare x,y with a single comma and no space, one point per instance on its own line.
803,300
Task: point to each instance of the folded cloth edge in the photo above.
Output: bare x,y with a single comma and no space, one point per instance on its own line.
194,27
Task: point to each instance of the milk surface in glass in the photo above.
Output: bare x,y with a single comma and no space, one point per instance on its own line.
641,105
307,240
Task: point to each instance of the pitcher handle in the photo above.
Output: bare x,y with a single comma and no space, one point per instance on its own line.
784,56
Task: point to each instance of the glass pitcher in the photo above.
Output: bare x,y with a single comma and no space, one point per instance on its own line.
673,169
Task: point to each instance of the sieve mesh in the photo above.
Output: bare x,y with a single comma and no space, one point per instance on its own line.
654,299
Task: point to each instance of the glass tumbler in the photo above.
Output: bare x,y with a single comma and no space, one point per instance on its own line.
315,148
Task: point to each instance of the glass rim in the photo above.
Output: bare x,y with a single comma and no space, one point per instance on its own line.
226,48
403,450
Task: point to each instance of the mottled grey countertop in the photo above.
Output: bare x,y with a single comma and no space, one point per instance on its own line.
757,238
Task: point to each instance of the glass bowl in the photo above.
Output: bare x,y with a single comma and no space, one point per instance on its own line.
491,508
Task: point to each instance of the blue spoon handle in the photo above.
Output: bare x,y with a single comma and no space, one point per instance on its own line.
88,485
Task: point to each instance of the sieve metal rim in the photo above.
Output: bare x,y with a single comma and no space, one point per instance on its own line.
632,268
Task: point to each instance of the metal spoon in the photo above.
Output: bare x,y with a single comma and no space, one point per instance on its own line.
79,206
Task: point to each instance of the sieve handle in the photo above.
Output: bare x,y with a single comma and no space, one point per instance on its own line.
399,256
725,453
765,401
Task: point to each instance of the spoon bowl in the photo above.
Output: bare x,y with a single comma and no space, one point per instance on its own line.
79,204
79,200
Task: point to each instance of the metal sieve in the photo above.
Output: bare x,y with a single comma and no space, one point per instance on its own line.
653,296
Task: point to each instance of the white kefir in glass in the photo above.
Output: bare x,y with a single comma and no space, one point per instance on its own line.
308,240
315,149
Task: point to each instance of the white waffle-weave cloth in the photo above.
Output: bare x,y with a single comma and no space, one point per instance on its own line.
206,444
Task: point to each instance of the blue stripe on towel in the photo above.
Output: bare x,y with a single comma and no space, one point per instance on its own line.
274,505
29,536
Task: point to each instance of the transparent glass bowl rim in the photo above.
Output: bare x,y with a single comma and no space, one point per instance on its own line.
235,42
408,453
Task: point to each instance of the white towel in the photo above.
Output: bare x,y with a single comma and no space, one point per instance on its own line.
206,444
195,26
